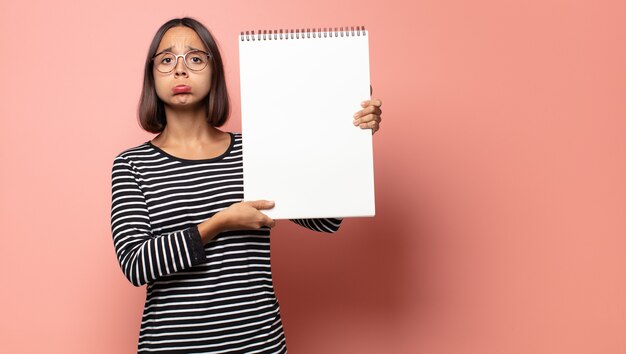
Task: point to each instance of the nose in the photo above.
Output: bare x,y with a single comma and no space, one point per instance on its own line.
181,68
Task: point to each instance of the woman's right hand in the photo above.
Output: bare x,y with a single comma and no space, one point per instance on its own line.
246,215
238,216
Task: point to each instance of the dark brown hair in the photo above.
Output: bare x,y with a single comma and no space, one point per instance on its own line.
151,111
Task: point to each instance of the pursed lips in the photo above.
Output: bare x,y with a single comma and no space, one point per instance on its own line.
181,89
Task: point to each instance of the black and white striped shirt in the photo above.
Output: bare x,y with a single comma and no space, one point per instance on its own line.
217,297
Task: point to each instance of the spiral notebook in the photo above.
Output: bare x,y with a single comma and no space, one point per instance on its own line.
299,91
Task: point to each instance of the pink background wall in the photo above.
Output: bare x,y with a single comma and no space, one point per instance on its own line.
500,177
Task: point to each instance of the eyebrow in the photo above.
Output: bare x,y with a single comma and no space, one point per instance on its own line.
168,49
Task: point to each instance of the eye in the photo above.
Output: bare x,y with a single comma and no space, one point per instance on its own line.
196,58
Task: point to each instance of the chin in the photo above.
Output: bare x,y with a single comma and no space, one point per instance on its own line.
185,104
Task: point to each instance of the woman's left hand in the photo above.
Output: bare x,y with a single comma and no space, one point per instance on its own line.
369,116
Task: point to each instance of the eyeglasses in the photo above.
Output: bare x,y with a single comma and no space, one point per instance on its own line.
195,60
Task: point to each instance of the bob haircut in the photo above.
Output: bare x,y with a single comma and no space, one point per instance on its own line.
151,111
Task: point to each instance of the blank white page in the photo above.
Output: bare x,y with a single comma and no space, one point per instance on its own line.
300,147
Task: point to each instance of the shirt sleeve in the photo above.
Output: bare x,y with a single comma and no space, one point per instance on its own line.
328,225
143,256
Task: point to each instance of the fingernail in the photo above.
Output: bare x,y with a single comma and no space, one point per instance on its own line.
356,122
356,114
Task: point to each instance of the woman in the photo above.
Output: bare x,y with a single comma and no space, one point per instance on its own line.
178,221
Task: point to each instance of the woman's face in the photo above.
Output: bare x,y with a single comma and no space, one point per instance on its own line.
180,40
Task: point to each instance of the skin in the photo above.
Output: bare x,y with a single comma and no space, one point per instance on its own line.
189,136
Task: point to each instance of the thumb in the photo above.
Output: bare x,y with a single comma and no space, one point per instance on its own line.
262,204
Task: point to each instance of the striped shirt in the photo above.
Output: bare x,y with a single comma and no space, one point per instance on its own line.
216,298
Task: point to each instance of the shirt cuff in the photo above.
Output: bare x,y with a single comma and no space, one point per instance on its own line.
197,253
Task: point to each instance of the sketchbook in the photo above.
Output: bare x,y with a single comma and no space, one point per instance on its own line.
299,91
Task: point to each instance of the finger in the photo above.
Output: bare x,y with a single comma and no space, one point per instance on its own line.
265,221
369,125
370,109
375,129
367,110
374,109
368,118
375,101
261,204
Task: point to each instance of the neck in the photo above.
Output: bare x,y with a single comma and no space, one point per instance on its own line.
186,127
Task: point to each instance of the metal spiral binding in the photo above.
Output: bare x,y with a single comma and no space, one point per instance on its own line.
280,34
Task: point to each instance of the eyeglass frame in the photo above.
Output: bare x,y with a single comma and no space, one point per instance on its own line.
176,56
